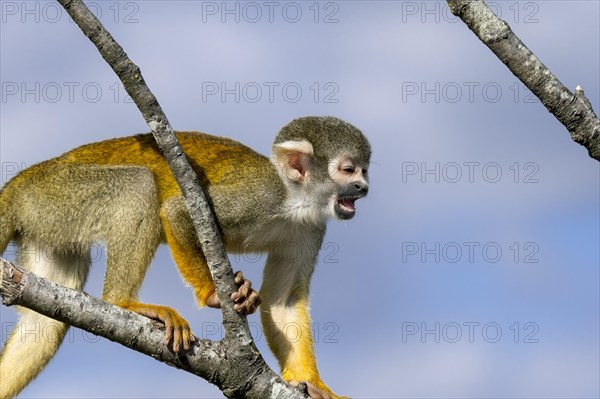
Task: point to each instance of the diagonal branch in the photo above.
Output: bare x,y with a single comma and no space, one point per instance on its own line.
195,198
574,111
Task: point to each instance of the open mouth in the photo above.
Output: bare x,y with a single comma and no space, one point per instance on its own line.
344,207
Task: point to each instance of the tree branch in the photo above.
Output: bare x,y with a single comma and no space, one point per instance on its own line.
238,370
20,287
574,111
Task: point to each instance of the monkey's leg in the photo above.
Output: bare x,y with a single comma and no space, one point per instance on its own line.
182,240
131,244
287,328
127,264
181,237
285,311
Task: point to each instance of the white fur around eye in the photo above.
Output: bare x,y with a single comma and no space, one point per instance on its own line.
337,168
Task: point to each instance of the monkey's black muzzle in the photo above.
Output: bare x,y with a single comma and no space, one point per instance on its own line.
344,207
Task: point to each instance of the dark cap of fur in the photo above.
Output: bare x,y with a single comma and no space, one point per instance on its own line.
329,136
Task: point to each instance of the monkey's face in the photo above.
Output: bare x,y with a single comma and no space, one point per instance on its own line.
323,163
350,178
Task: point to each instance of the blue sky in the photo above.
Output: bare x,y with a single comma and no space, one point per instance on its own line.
470,270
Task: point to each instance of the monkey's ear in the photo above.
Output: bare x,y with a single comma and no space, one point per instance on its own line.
293,158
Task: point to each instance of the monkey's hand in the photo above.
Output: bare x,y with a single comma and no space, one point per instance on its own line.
316,393
245,298
177,329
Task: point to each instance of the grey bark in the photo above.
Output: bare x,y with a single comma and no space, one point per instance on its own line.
574,111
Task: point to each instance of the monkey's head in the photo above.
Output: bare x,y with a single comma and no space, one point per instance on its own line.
323,162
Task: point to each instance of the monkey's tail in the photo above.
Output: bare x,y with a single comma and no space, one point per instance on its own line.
22,358
36,338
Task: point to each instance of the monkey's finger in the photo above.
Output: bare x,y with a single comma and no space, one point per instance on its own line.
250,304
254,299
168,331
240,307
244,290
254,302
187,338
238,277
257,300
177,339
174,324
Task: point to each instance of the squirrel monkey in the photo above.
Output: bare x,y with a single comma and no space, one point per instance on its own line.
121,193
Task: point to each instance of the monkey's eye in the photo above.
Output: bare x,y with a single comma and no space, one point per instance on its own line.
348,169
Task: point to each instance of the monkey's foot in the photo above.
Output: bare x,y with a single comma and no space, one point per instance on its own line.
245,298
177,329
